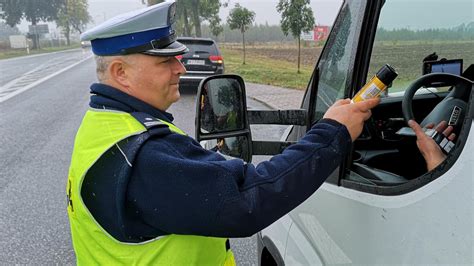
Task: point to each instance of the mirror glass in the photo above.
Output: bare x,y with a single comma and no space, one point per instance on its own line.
221,106
233,146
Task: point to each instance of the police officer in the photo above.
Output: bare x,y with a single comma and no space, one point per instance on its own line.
141,191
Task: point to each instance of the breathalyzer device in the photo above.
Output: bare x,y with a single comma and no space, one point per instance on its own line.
377,84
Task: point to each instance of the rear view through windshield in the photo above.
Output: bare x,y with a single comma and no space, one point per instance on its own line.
196,47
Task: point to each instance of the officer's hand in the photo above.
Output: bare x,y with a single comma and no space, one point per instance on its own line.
428,147
352,115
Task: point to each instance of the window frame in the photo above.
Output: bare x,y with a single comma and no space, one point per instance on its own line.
310,99
358,80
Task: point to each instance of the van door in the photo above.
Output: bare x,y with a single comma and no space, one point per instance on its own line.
393,212
316,220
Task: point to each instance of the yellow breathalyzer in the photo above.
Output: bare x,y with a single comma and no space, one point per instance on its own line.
377,84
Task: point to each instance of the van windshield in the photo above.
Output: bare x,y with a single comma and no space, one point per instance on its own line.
407,35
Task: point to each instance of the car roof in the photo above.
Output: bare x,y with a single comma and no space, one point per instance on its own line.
194,39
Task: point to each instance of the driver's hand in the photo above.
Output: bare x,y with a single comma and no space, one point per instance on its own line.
428,147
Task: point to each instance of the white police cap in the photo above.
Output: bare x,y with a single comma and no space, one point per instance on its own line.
148,30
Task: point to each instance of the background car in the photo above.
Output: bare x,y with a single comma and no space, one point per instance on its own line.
203,59
85,44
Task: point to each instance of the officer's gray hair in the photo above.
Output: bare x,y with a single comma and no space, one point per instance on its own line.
103,62
101,67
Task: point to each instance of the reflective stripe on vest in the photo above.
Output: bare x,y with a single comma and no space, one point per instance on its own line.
99,131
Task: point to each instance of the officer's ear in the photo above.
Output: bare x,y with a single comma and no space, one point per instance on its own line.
118,70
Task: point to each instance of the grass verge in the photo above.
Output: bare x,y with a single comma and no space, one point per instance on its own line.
4,54
265,70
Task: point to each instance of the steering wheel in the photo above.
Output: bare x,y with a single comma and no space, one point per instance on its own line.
451,109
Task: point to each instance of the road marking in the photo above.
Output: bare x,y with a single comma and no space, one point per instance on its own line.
7,86
37,55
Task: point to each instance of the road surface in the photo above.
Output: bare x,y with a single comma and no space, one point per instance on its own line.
42,101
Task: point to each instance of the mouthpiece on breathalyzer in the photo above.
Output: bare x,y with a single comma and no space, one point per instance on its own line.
377,84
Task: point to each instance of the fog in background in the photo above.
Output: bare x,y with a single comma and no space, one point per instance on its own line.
100,10
324,11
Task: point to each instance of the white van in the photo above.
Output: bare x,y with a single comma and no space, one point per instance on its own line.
382,205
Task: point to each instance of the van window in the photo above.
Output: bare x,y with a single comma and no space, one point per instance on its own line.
407,33
338,54
384,162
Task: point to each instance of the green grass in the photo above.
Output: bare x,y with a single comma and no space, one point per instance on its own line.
264,70
407,57
10,53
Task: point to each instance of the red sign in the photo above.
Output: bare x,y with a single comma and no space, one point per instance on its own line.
321,33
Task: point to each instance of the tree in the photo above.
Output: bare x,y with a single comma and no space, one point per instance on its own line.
33,11
296,17
208,10
73,16
183,9
216,27
80,17
240,18
190,14
12,13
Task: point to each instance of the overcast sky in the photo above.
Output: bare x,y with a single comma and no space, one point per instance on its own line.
418,16
325,10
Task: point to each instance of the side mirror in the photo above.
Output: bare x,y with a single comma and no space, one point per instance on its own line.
221,116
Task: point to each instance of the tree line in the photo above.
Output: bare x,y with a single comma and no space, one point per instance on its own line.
72,15
463,32
69,15
201,18
256,33
296,17
259,33
191,13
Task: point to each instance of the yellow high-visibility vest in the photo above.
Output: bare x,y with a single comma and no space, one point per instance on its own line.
99,131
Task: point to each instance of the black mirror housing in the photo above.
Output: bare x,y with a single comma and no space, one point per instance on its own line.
221,115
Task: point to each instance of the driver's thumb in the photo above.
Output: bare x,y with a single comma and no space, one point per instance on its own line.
416,128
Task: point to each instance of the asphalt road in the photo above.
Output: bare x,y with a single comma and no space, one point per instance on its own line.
37,129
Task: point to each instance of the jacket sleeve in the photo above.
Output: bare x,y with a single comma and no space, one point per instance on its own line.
180,188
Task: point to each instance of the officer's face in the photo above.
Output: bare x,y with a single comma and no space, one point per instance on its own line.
155,79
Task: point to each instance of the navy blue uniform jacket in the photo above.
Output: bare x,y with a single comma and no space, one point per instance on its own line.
177,187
